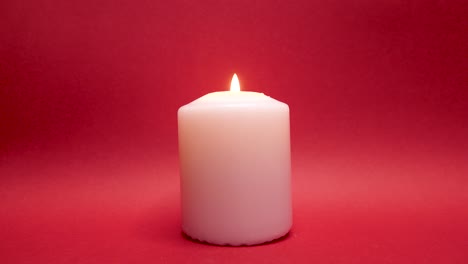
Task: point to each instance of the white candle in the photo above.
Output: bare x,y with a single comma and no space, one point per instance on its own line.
234,150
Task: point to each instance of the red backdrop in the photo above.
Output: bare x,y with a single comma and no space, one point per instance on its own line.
378,95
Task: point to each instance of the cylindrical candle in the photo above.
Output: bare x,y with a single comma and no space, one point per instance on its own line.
235,168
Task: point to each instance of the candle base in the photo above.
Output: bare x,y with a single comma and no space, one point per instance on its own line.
219,242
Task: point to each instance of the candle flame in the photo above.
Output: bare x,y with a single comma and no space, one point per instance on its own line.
235,86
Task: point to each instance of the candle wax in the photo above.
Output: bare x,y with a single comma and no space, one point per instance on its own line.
234,150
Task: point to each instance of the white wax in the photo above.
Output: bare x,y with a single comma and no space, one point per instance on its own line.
235,168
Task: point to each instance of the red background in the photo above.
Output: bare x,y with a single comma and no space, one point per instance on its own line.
378,95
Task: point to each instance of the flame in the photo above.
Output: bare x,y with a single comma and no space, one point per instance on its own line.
235,86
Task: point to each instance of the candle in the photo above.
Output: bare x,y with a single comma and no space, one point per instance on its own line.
235,168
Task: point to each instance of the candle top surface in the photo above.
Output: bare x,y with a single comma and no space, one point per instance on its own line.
235,99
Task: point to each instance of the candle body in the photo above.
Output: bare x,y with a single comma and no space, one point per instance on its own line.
234,150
